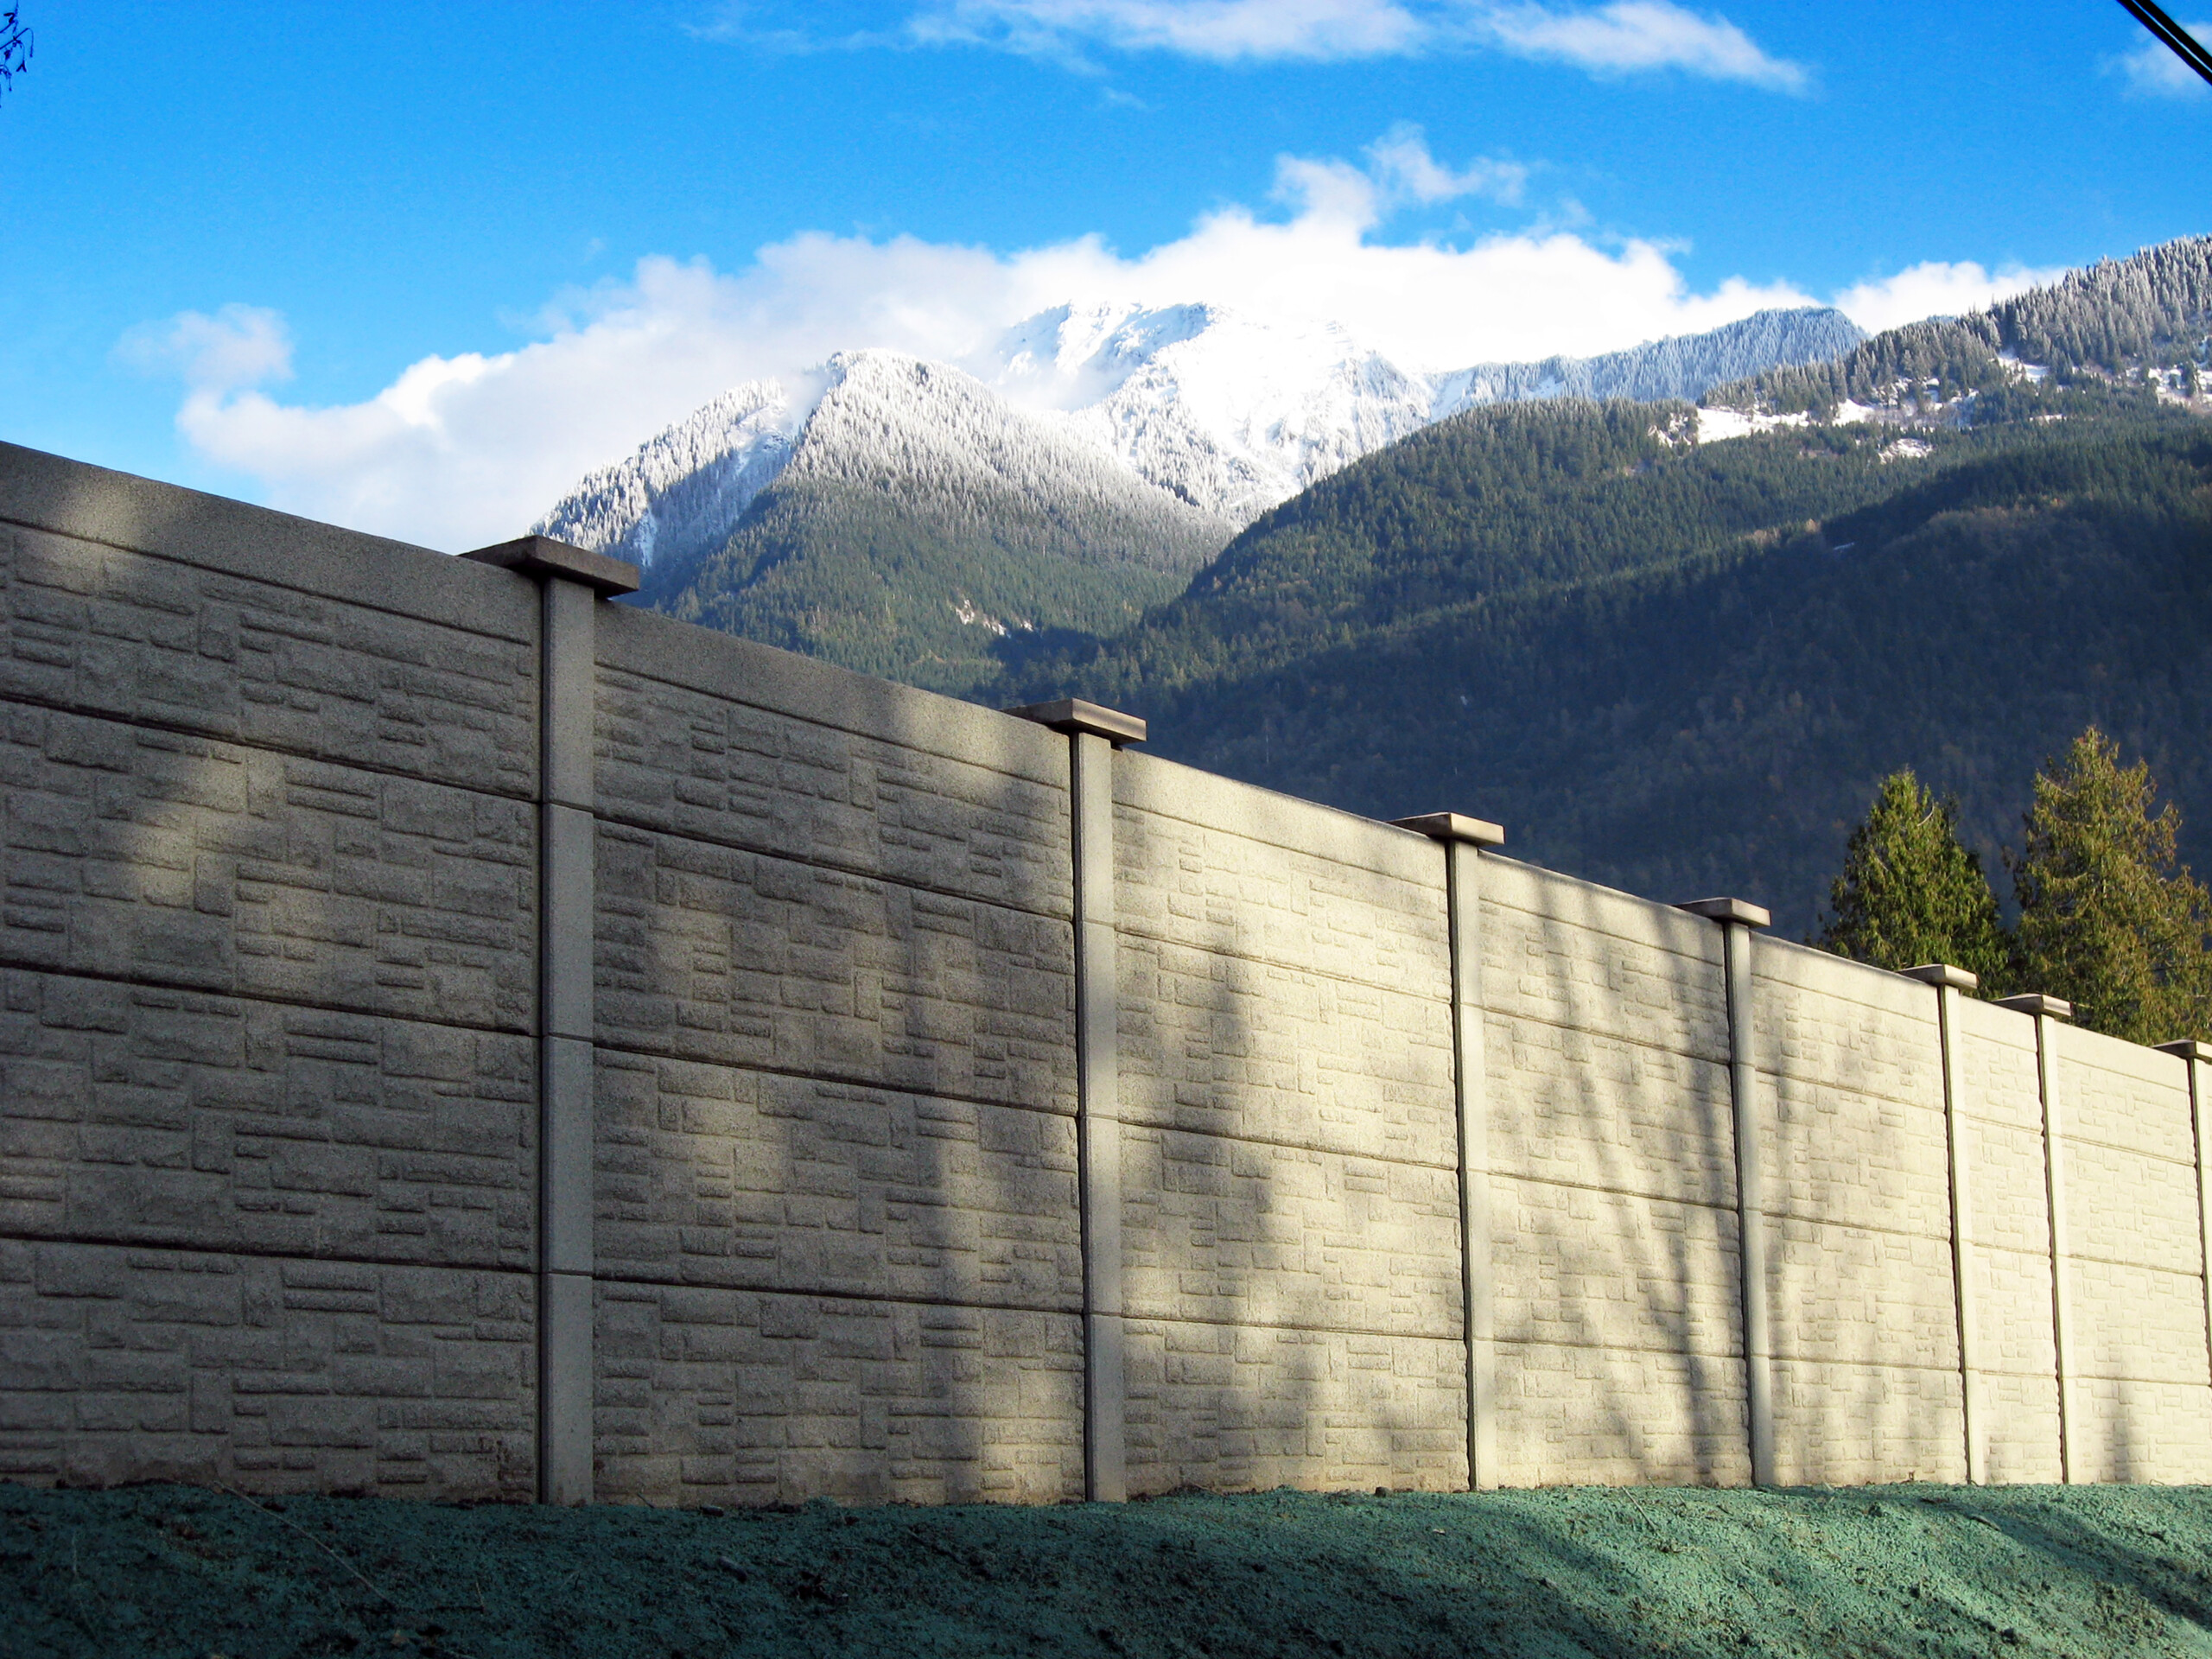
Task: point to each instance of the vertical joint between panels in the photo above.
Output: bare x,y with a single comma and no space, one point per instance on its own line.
1962,1257
1751,1206
1463,902
1098,1125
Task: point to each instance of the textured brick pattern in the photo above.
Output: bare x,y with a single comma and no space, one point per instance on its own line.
1234,1408
1854,1294
2020,1433
2126,1207
2122,1096
1618,1416
1818,1017
1573,1267
714,769
1229,1232
1567,954
711,1395
188,862
1574,1106
1997,1065
2010,1203
2011,1300
2151,1432
1834,1153
710,1174
1214,1042
706,952
2137,1323
98,628
138,1114
1843,1425
272,1376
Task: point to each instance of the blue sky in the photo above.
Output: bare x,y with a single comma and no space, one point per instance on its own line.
414,268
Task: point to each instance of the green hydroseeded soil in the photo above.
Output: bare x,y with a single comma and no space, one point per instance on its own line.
163,1570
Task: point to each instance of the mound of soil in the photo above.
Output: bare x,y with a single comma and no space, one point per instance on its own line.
180,1572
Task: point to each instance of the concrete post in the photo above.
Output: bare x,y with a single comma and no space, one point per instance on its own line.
1737,921
1464,839
2045,1009
572,581
1093,734
2197,1059
1950,982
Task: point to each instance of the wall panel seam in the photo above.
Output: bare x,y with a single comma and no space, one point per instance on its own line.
258,745
1071,1309
831,865
1725,1206
1451,1336
260,1253
1672,1351
260,999
1131,1121
1718,1059
1131,931
835,1079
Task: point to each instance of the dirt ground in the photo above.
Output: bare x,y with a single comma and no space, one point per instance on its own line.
174,1571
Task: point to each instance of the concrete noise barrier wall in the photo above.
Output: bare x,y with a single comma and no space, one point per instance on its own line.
464,1037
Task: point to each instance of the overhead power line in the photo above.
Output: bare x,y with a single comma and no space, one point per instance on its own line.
2180,40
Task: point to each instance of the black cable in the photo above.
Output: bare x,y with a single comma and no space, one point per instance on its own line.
2181,43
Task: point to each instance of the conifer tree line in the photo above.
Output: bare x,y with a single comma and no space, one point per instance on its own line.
2107,919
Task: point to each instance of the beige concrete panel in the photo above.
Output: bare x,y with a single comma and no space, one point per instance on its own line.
206,865
2157,1433
1997,1065
2021,1415
2129,1207
140,1115
738,1396
715,1175
1856,1425
706,952
1574,1416
1574,1106
1234,1233
268,1374
2137,1323
2125,1096
715,768
1576,1267
221,536
1841,1024
2005,1163
1207,889
2011,1300
1835,1153
276,664
1233,1409
636,645
1854,1296
1152,788
1219,1044
1583,957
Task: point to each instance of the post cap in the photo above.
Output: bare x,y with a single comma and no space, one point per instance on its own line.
541,555
1729,910
2189,1048
1943,975
1451,826
2037,1002
1074,715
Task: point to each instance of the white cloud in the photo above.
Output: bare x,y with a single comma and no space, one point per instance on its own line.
1400,160
239,346
1623,37
1934,288
460,451
1220,31
2153,69
1630,35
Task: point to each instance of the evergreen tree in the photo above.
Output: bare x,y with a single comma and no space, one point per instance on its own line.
1909,892
2107,920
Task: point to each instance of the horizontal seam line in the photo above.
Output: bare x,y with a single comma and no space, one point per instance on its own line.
1780,1076
599,663
14,965
1441,999
1948,1368
1415,882
1942,1238
1730,1354
2196,1274
85,711
1453,1337
1128,1123
2188,1164
836,1080
887,1298
834,868
1491,1011
278,583
260,1253
1722,1206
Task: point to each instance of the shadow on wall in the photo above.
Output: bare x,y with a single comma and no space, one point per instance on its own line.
267,940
